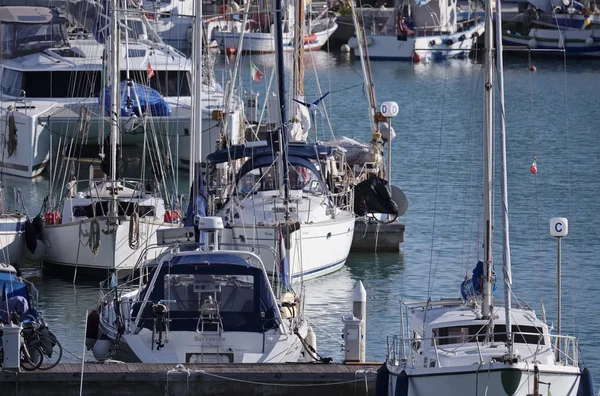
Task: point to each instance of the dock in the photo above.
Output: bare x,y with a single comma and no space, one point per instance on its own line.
377,237
218,379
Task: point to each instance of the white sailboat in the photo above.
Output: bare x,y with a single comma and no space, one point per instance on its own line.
474,345
290,198
107,227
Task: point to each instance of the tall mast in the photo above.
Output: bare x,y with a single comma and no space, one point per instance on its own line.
299,54
196,132
282,104
488,164
504,185
114,104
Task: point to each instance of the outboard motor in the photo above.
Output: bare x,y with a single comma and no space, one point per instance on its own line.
160,323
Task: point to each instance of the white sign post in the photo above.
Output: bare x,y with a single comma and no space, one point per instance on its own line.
559,227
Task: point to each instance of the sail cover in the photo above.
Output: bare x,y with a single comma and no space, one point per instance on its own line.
131,93
472,287
374,196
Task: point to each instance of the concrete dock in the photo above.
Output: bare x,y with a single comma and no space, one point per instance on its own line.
123,379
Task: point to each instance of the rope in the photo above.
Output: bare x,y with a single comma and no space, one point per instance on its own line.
311,350
282,385
134,231
94,237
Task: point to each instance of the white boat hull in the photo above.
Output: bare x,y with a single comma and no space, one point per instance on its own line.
264,43
67,245
433,47
575,42
316,249
11,238
496,379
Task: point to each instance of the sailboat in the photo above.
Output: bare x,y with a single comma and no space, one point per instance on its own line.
474,345
12,229
288,199
106,227
201,304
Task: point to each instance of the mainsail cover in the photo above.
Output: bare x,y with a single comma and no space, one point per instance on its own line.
473,286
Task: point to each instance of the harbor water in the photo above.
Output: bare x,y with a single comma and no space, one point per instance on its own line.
551,117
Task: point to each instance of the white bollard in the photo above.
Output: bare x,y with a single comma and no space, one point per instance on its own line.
11,342
355,327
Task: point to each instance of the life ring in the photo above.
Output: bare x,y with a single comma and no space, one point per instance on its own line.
309,39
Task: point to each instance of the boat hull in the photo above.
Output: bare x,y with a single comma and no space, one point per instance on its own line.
434,47
316,249
68,245
582,43
495,379
11,238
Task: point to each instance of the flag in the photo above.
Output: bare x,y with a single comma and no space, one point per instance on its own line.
150,71
533,167
283,262
255,73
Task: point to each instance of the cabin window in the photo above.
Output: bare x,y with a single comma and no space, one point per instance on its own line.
85,84
474,333
134,29
188,292
266,179
101,209
12,82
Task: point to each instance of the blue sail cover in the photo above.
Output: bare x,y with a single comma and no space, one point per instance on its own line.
150,101
471,287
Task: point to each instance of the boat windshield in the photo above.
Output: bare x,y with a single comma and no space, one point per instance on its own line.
18,39
265,179
477,333
189,292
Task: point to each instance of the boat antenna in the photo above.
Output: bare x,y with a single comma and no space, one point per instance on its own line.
283,131
504,186
488,272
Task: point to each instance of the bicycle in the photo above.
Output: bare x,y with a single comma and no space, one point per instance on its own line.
31,357
37,334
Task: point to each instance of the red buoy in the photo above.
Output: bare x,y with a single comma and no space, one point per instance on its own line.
416,58
52,218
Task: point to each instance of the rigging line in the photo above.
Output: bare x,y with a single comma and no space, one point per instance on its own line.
437,179
535,183
339,90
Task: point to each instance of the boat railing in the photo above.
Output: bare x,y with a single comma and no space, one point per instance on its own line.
402,350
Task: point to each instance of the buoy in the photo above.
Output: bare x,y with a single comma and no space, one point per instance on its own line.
230,51
91,329
416,58
533,43
309,39
172,216
37,254
52,217
345,48
532,68
589,41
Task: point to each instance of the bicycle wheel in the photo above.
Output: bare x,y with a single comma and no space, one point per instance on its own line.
32,357
52,357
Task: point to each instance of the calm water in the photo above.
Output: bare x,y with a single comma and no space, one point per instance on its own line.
551,114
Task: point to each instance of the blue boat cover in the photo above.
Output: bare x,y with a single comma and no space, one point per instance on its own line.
242,151
150,101
471,287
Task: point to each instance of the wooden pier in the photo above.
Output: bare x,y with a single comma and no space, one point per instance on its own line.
123,379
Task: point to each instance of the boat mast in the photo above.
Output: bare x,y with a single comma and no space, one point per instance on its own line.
114,107
196,132
368,85
282,104
504,186
488,164
299,54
